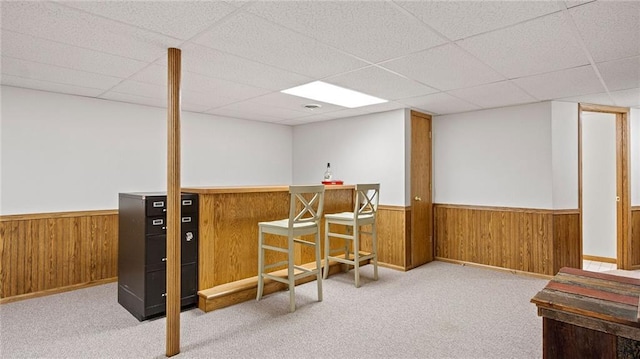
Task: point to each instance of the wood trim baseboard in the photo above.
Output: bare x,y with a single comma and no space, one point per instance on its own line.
501,269
495,208
387,207
598,259
509,209
68,288
49,215
557,212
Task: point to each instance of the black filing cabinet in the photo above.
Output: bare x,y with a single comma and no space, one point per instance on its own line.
142,252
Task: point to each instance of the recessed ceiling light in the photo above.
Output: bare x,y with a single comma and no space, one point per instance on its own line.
336,95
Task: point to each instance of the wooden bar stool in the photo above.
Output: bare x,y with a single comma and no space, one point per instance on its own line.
305,212
364,213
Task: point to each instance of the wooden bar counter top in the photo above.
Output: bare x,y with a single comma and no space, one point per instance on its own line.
228,237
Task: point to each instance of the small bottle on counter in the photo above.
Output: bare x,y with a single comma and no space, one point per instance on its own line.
327,174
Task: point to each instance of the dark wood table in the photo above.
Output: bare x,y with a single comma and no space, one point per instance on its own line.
589,315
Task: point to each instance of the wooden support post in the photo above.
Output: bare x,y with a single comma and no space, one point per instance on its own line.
173,203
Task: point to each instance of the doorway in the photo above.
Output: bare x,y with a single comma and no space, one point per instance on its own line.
599,232
601,123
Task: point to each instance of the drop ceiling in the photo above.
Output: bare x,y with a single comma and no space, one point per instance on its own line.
437,57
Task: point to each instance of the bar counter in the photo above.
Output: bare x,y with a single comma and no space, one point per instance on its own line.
228,237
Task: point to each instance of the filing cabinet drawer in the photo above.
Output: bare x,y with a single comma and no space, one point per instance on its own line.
157,205
157,283
158,225
157,249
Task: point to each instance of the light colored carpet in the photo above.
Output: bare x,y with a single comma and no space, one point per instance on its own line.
439,310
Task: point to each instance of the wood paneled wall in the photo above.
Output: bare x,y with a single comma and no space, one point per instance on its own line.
530,240
567,249
394,240
635,236
54,251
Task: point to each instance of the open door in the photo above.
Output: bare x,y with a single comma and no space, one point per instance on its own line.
623,192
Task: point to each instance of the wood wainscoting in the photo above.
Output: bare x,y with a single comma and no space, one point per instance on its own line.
529,240
635,237
48,253
394,237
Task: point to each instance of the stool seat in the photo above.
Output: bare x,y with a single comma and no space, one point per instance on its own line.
364,214
305,211
347,217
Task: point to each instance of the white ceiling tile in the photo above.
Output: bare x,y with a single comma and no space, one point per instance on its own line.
497,94
52,21
572,3
50,73
141,89
445,67
218,64
621,74
157,75
245,115
237,3
206,99
627,98
572,82
373,31
623,98
151,101
610,29
135,99
9,80
252,107
439,103
461,19
307,119
34,49
379,82
594,98
252,37
279,99
165,17
537,46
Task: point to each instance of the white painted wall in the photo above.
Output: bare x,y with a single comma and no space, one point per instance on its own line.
368,148
564,151
599,184
68,153
635,156
497,157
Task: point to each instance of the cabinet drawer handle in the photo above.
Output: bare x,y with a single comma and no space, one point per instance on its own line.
157,222
186,219
158,204
187,202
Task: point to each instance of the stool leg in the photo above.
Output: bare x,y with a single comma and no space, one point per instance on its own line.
292,281
356,254
260,265
326,249
374,249
318,266
346,252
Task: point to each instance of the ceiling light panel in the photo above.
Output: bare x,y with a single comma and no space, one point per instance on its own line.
322,91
